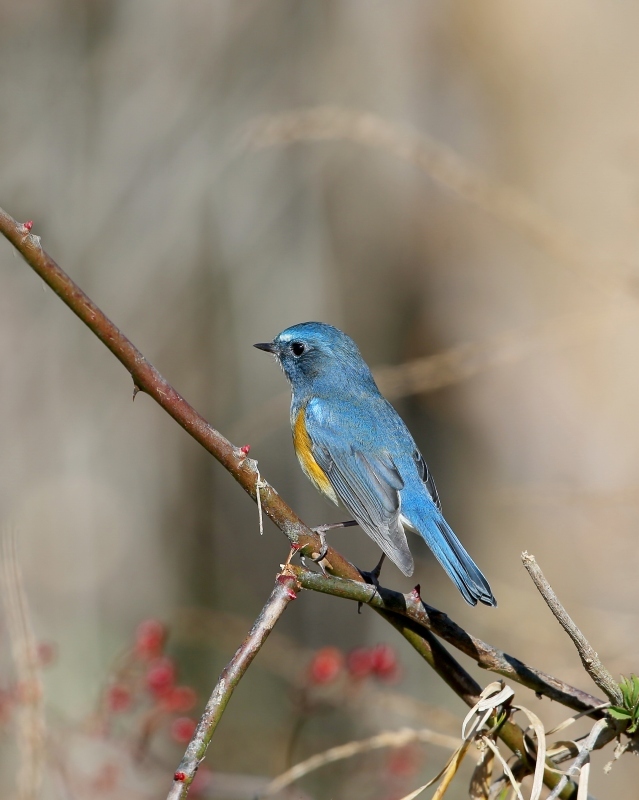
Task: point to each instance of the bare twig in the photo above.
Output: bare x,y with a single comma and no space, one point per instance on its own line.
244,470
452,673
589,658
283,592
387,739
31,721
465,360
146,378
446,167
579,764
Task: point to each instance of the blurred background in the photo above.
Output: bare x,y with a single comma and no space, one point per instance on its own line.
455,185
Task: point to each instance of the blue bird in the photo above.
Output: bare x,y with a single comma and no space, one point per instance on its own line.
354,447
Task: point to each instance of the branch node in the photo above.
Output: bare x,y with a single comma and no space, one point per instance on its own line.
288,581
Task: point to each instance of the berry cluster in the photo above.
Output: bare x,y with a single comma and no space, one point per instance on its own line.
149,668
330,663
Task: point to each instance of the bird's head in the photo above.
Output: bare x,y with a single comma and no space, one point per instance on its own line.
313,353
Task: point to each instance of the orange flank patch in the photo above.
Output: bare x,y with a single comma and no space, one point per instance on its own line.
303,449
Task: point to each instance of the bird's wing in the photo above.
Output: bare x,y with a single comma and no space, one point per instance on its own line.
368,484
427,478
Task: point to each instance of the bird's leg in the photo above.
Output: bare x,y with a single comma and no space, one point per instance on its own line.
321,531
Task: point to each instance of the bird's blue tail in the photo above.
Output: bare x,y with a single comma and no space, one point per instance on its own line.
451,554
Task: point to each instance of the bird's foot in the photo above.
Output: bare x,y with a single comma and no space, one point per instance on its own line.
321,532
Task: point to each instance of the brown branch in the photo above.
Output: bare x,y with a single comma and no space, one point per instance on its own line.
283,592
424,618
589,658
448,669
147,379
244,470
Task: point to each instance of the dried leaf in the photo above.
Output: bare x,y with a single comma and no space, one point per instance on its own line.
446,774
504,766
540,762
481,780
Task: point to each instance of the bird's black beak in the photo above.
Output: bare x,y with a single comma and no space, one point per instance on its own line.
268,347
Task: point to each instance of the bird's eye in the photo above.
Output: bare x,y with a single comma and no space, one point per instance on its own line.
298,348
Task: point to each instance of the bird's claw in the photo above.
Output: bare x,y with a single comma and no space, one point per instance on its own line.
321,532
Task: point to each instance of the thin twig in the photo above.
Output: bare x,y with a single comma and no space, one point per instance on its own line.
589,658
244,470
381,740
31,720
448,367
581,760
283,592
448,168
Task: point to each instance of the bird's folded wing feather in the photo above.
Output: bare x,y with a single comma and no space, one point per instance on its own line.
368,484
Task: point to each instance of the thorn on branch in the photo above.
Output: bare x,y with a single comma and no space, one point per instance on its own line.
136,389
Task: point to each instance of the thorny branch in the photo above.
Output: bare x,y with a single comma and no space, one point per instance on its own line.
413,608
416,626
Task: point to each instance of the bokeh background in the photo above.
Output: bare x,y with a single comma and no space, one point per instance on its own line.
463,201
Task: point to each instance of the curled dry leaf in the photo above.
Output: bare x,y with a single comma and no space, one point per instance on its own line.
482,778
540,759
491,698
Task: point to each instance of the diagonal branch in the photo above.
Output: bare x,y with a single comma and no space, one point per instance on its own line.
424,618
146,378
245,472
283,592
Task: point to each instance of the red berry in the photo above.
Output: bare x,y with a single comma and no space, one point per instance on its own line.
385,664
6,706
359,662
179,698
404,761
179,776
326,665
160,676
149,638
182,729
118,698
47,653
